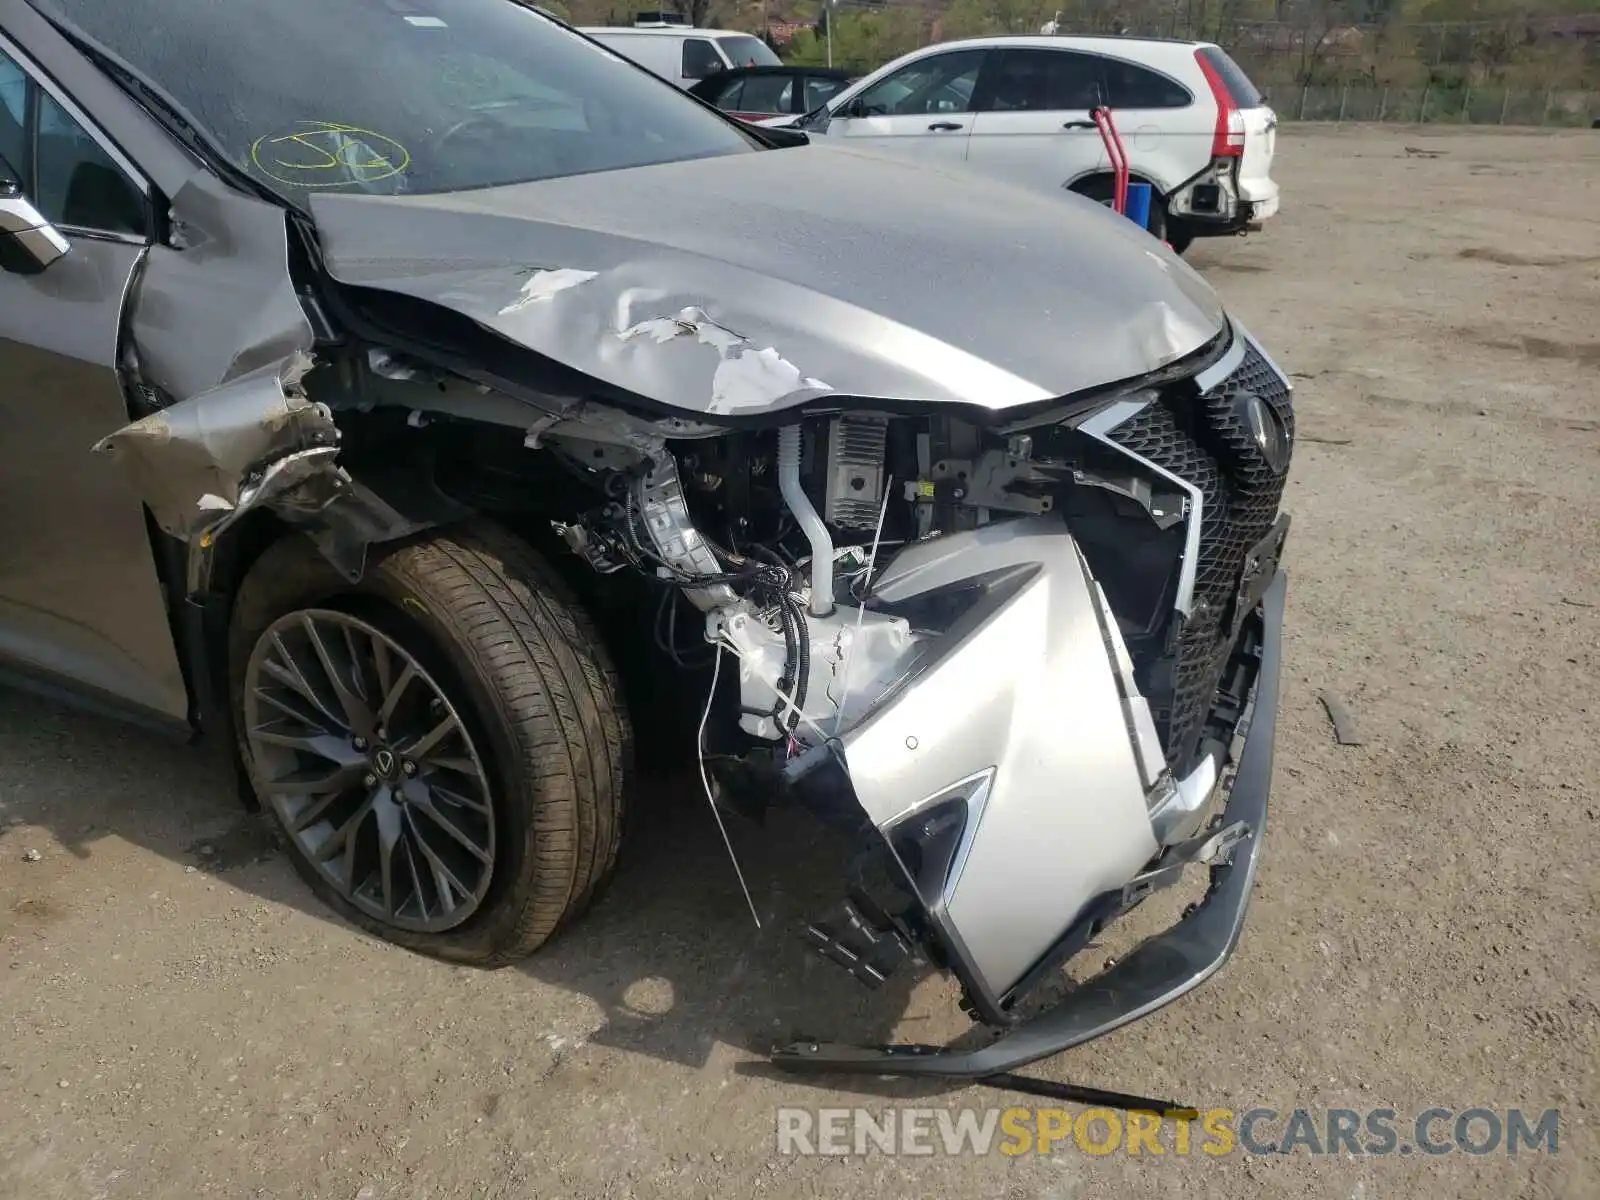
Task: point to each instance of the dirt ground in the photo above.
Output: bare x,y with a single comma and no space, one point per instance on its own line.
179,1018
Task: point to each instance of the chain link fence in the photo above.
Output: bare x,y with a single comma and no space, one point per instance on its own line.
1452,106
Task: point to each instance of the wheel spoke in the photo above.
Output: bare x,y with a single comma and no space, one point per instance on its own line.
357,715
416,878
457,766
320,742
358,666
344,838
425,745
393,692
381,665
444,878
314,811
317,783
287,671
313,720
450,796
389,834
352,841
421,801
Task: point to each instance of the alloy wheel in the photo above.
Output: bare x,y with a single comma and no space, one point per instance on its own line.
369,768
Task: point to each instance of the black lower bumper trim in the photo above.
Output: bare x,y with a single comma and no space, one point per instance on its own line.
1162,969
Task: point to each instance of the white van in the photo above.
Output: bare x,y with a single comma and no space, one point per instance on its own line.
684,55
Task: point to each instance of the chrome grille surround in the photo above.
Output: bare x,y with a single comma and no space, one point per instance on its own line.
1201,442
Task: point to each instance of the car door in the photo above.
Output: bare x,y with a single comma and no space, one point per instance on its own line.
763,96
80,598
1167,134
818,90
922,111
1033,123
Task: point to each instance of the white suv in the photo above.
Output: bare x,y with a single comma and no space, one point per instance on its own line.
1192,123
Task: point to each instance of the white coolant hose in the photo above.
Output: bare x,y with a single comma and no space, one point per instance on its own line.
816,532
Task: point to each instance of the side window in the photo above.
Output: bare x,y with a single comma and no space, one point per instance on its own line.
14,117
820,91
78,184
1131,86
727,96
942,83
71,180
700,58
767,94
1044,81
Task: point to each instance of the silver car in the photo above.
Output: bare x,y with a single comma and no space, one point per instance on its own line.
375,378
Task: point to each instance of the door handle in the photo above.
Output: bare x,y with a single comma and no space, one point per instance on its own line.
943,127
1078,125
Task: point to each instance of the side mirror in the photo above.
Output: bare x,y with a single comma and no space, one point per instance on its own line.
784,137
28,242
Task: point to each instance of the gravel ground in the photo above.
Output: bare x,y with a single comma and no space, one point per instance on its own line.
177,1017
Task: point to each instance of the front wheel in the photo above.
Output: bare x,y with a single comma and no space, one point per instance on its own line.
442,744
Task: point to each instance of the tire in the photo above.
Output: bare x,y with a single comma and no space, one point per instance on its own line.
540,732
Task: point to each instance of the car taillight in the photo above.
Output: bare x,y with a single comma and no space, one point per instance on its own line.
1229,139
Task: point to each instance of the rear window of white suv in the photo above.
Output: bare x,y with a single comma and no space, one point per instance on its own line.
1244,93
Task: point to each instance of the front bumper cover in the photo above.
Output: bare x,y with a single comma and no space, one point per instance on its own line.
1159,971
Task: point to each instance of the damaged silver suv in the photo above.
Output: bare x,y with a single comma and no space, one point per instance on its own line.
431,348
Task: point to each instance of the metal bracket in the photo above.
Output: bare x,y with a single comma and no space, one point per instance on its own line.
1218,848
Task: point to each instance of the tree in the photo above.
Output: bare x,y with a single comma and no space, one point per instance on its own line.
976,18
862,41
696,12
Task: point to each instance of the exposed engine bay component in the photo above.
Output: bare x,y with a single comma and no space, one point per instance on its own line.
856,448
794,495
851,655
1000,480
657,499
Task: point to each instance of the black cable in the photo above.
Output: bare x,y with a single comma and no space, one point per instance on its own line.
803,637
786,681
667,641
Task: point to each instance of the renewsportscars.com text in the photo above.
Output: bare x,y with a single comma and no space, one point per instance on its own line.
1210,1132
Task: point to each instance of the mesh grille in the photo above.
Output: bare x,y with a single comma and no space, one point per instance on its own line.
1204,444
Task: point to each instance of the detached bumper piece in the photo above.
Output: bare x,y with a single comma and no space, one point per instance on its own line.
1161,970
861,940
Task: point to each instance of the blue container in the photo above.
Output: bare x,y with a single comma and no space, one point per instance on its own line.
1139,204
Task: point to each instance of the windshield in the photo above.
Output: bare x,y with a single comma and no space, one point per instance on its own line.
400,96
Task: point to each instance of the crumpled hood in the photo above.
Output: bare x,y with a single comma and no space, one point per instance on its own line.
748,283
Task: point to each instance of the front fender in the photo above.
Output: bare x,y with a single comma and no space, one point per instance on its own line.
258,443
